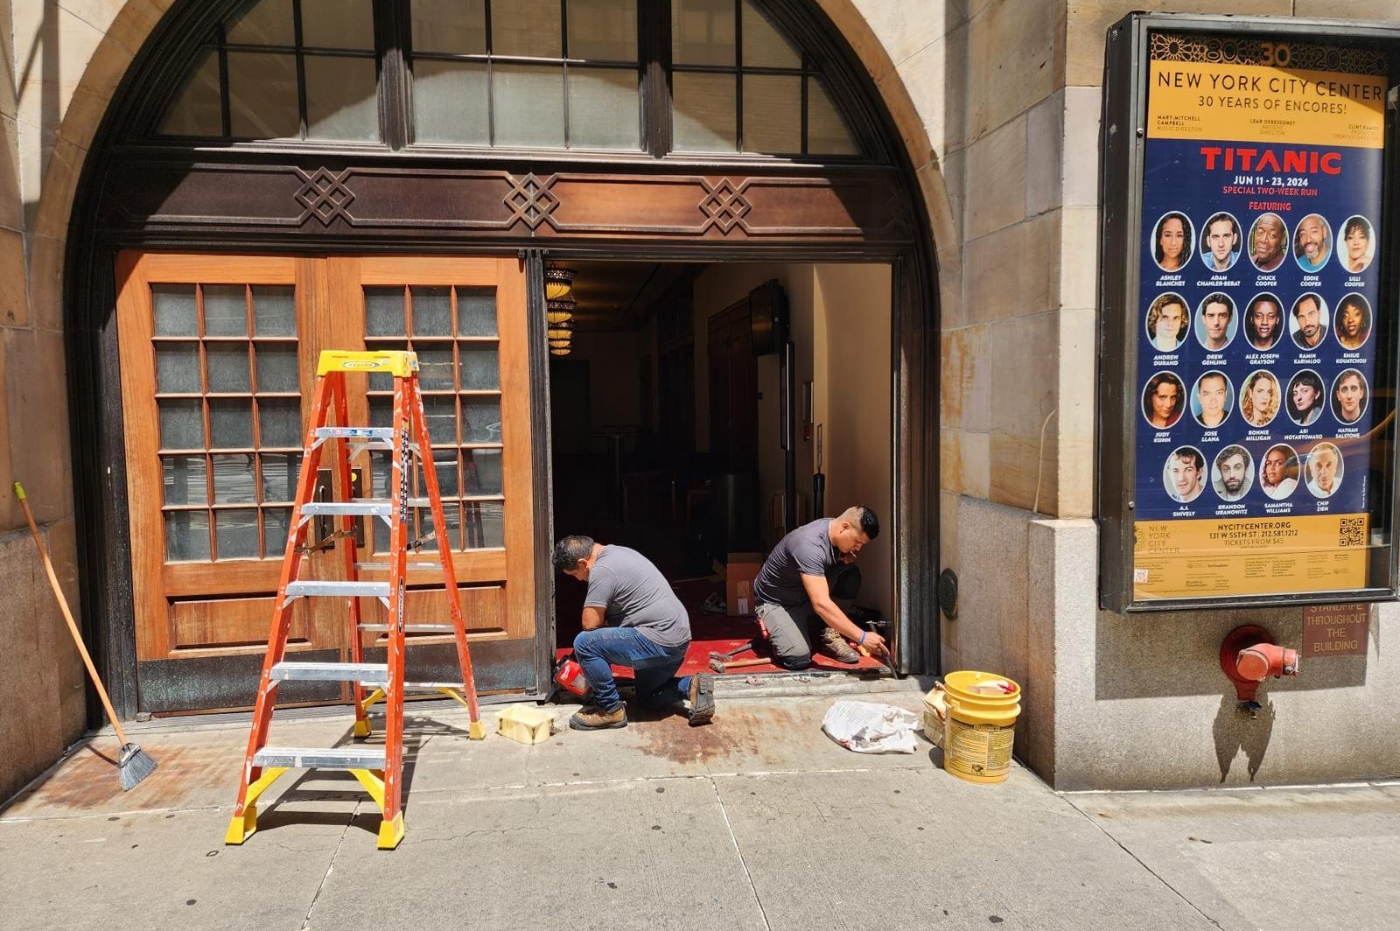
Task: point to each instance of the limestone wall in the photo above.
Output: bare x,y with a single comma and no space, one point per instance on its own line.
978,88
1139,701
1008,96
42,686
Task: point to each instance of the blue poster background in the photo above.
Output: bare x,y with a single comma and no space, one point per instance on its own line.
1177,179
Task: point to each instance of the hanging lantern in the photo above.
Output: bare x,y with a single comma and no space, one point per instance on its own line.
560,310
564,329
558,281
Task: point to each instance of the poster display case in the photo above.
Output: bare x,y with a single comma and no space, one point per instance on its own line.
1248,352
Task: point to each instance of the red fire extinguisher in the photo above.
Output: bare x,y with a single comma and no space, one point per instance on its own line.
569,675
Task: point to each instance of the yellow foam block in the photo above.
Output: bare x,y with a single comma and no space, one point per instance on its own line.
525,724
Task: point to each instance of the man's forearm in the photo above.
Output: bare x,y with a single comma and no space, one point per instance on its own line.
835,618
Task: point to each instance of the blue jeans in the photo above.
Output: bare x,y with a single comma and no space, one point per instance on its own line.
654,666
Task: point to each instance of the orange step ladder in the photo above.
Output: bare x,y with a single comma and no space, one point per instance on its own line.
378,769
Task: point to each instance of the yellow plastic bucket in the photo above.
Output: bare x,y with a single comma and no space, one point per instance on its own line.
978,714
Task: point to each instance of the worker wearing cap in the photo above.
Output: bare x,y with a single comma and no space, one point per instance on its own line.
794,594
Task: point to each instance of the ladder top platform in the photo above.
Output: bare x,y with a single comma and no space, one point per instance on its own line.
398,363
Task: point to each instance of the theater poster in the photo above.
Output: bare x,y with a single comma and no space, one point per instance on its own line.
1262,334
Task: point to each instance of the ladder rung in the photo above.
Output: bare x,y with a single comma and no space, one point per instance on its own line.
410,628
370,673
432,685
366,507
384,566
355,433
331,589
321,757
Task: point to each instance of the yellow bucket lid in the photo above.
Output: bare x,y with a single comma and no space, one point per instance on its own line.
970,685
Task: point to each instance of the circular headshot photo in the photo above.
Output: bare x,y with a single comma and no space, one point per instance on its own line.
1305,398
1220,242
1312,242
1323,471
1278,471
1307,323
1212,399
1216,321
1350,395
1260,398
1232,474
1183,474
1268,242
1168,321
1352,322
1171,241
1263,321
1163,400
1358,244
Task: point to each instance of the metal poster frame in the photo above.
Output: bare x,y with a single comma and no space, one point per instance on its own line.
1121,405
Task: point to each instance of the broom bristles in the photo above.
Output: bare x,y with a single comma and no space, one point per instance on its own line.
134,765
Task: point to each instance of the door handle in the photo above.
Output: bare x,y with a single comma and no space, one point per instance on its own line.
324,524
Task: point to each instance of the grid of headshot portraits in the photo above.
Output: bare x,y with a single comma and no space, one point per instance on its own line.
1260,371
1232,473
1221,241
1217,321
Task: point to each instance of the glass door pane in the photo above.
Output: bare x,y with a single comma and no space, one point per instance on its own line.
228,398
454,330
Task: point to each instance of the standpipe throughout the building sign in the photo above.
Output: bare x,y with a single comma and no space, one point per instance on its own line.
1258,289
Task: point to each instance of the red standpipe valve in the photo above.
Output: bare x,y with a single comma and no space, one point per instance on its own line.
1248,655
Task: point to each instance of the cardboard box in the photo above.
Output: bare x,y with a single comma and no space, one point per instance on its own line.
739,574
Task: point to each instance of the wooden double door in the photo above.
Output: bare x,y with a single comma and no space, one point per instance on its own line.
218,359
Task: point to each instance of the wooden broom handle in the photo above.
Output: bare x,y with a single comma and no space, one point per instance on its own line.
68,615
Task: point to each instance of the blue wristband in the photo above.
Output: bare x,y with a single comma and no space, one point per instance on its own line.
861,641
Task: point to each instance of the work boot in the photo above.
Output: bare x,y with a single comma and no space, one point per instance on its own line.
835,646
593,718
702,699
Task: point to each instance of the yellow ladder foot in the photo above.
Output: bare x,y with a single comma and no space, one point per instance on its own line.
476,731
391,832
362,730
241,827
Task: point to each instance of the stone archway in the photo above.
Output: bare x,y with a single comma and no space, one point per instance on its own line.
65,204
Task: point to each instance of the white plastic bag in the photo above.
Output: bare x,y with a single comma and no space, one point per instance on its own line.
866,727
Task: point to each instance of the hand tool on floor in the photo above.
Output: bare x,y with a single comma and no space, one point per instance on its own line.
732,653
134,764
721,665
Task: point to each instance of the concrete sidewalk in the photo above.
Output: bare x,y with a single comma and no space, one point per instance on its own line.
757,821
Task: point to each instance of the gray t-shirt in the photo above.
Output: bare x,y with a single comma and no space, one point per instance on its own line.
805,551
633,593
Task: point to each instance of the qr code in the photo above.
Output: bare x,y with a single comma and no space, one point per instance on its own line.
1352,532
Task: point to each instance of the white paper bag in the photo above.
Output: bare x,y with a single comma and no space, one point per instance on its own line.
866,727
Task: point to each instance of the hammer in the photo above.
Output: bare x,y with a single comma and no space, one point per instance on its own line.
723,657
721,665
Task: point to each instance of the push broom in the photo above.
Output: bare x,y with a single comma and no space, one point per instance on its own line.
134,764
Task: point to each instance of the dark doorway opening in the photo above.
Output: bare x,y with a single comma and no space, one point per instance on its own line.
669,417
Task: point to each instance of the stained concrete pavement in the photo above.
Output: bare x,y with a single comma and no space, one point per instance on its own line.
757,821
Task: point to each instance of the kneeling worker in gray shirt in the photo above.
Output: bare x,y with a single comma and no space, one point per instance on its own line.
793,593
631,617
